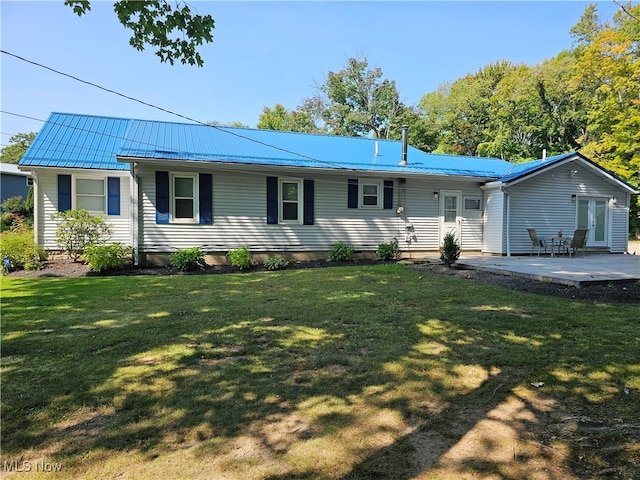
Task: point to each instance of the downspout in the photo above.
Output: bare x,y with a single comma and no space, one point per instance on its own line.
36,205
508,226
134,214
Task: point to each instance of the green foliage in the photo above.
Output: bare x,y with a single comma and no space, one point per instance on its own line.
29,201
102,257
19,246
355,101
387,251
78,228
188,259
340,252
276,263
172,29
14,205
18,144
240,257
450,250
279,118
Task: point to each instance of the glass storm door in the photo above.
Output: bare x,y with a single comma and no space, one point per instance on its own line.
450,221
592,214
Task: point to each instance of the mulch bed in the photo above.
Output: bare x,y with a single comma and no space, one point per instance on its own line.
618,292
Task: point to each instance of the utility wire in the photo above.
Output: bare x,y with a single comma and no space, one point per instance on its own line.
73,77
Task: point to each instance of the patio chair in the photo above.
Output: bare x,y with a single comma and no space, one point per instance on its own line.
579,241
537,241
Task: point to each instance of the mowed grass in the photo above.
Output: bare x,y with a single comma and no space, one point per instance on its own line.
323,373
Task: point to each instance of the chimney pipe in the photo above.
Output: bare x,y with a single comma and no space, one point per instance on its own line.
405,129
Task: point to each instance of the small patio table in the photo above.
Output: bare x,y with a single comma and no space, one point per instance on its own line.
562,243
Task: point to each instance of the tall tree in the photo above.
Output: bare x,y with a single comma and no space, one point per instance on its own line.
279,118
173,29
356,101
18,144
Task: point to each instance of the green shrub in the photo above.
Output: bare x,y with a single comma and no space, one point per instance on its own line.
388,251
340,252
276,263
101,257
29,202
188,259
240,257
20,250
14,205
78,228
450,250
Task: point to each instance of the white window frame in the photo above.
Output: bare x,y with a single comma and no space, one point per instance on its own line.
172,197
472,198
104,193
379,193
281,200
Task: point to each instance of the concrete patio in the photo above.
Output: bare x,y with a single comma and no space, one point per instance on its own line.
576,271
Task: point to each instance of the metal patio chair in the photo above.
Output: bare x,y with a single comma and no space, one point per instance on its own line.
579,241
537,241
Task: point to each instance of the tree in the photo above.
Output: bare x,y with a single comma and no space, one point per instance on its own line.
355,102
18,144
279,118
607,72
173,30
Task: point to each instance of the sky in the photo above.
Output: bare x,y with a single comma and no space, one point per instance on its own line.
263,53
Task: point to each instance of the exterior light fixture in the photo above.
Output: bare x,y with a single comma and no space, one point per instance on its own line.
573,198
435,195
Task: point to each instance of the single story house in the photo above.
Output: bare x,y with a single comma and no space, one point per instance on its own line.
168,186
13,182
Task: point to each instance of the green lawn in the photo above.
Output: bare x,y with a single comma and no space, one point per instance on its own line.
329,373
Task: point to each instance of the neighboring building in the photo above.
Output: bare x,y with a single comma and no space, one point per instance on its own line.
167,186
13,182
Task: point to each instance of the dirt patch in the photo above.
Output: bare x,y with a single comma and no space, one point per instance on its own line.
618,292
614,292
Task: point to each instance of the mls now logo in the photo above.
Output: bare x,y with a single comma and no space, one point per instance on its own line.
27,466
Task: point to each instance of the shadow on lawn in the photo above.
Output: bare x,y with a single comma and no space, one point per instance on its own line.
391,380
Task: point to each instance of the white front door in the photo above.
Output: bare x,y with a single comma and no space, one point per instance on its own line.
593,213
450,218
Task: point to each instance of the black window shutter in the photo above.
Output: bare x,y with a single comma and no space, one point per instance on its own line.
64,193
113,195
308,202
205,194
162,197
272,200
352,193
387,199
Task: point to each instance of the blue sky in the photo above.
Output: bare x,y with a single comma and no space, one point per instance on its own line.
263,53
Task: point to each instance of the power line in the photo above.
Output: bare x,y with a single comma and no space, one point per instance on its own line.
73,77
88,150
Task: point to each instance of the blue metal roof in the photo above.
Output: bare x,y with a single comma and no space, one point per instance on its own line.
78,141
179,141
523,169
86,141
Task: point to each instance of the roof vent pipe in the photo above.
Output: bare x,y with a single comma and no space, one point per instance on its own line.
376,151
405,129
544,154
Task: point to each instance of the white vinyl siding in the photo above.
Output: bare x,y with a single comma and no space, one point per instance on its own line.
239,200
493,221
48,204
545,202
